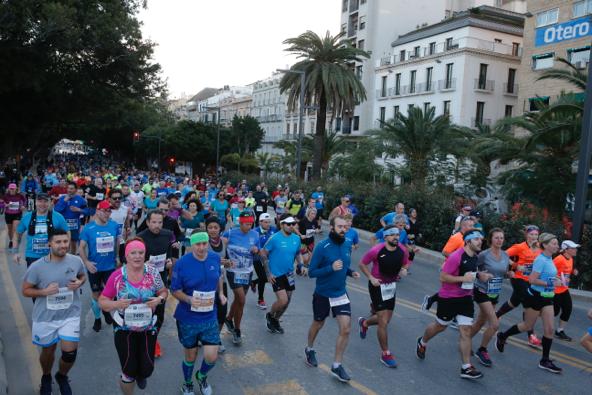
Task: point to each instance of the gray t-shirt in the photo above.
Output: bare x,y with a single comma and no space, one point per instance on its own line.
486,261
43,272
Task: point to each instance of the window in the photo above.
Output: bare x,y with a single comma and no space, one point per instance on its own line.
545,61
344,4
535,103
511,81
426,107
548,17
409,107
429,72
432,48
361,44
356,122
515,49
383,86
449,45
287,128
363,2
395,111
482,76
295,128
416,52
579,57
508,111
448,81
359,71
398,84
479,113
581,8
343,28
382,115
412,79
446,107
312,127
338,123
402,55
362,22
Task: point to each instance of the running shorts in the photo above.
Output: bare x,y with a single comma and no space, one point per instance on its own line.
285,282
47,333
321,307
205,332
535,301
460,308
378,304
519,291
233,285
98,280
10,218
481,297
136,352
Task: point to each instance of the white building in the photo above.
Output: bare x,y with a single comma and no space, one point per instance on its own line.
465,66
269,108
209,107
191,106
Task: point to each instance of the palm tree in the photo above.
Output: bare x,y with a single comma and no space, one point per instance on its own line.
333,144
572,75
330,80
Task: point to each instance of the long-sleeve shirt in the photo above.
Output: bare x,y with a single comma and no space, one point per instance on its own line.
330,283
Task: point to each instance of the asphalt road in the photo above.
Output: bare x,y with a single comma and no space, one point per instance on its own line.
274,364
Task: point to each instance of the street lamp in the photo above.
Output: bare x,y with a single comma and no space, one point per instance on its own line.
300,116
208,108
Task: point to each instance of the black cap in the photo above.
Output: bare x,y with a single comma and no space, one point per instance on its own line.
42,196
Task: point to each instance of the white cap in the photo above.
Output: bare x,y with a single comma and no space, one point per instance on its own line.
265,216
568,244
289,220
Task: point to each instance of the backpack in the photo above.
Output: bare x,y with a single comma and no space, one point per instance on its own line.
33,222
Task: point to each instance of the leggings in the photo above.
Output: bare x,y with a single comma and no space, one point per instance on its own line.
261,278
519,291
222,309
136,352
562,303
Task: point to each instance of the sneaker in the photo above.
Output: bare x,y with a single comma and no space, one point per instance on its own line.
388,360
221,349
547,364
236,337
46,382
278,327
562,336
362,329
534,341
63,383
97,325
500,342
141,382
269,323
425,305
187,389
310,358
229,325
204,387
262,305
340,373
454,323
420,350
470,373
157,350
483,357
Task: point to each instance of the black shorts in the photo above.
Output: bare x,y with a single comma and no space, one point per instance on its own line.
285,282
460,308
98,280
321,308
222,309
481,297
234,285
376,297
563,304
136,352
10,218
535,301
519,291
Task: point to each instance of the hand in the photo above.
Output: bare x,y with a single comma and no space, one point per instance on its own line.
304,271
355,275
75,209
271,278
484,276
575,271
374,281
223,299
510,274
17,259
154,301
469,277
73,285
51,289
168,263
67,199
254,250
122,304
176,245
356,246
403,272
337,265
91,267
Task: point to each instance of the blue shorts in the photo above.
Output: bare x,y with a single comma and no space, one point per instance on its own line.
74,234
590,331
205,332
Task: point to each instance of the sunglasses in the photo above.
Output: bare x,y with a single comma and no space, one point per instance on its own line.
115,197
290,223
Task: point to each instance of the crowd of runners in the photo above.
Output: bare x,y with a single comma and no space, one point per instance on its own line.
142,240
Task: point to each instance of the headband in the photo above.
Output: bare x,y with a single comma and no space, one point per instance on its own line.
473,235
201,237
391,231
134,245
246,220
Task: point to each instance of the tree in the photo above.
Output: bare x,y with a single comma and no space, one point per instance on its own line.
247,134
333,144
357,162
330,82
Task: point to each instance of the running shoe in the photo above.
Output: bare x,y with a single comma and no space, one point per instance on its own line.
278,327
236,337
426,305
483,357
454,323
45,388
262,305
187,389
388,360
362,329
561,335
204,387
340,373
470,373
221,349
534,341
229,325
420,350
63,383
157,350
97,325
269,323
500,342
141,382
547,364
310,358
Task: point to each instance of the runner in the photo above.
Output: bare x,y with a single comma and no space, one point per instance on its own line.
455,299
465,211
342,209
278,257
195,210
308,227
53,282
196,280
294,205
99,243
72,206
494,261
319,197
388,219
586,340
137,199
351,235
562,301
95,193
219,207
14,205
330,265
122,215
389,261
524,255
241,245
280,204
539,301
265,231
132,293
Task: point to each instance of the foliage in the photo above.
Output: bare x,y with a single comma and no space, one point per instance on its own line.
333,144
246,162
358,162
247,134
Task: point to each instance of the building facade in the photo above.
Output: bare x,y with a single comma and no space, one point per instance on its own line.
234,106
269,108
209,107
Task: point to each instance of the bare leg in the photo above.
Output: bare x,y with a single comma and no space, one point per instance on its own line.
46,358
315,327
67,347
344,322
384,317
465,343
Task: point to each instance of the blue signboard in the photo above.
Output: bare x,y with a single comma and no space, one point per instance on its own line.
571,30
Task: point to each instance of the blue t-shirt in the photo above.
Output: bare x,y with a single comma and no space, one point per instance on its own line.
239,247
63,207
220,209
330,283
352,236
282,252
319,197
234,214
264,236
191,274
102,243
379,235
37,244
162,191
390,217
544,265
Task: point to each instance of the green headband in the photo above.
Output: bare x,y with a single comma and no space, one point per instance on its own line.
201,237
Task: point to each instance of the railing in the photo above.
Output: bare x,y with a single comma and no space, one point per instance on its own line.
447,85
476,122
484,85
510,89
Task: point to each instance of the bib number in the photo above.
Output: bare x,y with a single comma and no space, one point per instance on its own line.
241,278
291,280
205,301
387,291
468,285
339,301
137,315
100,196
14,206
527,269
259,208
494,286
105,245
188,232
60,301
72,223
158,261
40,245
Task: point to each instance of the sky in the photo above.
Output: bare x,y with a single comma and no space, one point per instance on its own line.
212,43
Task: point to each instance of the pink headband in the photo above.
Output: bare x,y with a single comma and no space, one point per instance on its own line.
133,245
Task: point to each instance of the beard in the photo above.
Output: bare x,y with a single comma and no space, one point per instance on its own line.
338,238
393,243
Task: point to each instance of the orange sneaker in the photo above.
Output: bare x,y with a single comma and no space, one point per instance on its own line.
157,351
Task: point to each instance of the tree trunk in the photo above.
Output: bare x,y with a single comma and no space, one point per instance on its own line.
319,138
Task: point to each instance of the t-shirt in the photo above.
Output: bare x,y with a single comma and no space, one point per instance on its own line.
150,204
308,229
544,265
386,264
564,270
220,207
352,236
37,244
486,261
280,204
119,216
264,235
98,193
330,283
43,272
101,241
14,203
63,207
294,206
234,214
455,242
282,252
390,217
319,197
457,264
239,247
191,274
158,247
526,257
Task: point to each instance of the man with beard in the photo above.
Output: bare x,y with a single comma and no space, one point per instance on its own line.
330,265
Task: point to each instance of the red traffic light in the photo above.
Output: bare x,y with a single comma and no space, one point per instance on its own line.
172,160
136,136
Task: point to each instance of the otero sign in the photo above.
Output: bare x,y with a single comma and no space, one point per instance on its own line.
571,30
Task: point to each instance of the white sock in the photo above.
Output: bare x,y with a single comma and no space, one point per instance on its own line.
559,329
309,349
466,365
336,365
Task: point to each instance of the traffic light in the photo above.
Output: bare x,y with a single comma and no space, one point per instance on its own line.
172,160
136,137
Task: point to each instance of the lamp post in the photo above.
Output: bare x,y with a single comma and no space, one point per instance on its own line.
300,116
208,108
158,137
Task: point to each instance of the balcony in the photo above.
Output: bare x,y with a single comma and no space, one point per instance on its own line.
289,137
482,85
476,122
510,89
447,85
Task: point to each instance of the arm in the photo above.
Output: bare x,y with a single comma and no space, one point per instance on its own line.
450,279
30,291
314,268
90,266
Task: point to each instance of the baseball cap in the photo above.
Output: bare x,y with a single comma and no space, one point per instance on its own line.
42,196
265,217
569,244
104,205
12,186
288,220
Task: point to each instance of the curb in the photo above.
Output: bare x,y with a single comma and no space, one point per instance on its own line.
3,378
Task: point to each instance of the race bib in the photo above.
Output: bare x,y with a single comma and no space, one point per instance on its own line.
205,301
387,291
60,301
100,196
233,205
242,278
494,286
137,315
565,279
468,285
158,261
13,206
549,290
340,300
527,269
105,245
72,223
310,232
188,232
281,204
39,245
291,280
259,208
41,228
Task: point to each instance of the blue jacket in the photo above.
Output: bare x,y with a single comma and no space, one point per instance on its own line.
330,283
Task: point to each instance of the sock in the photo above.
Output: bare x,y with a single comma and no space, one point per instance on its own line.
559,330
336,365
387,352
482,349
187,370
504,309
309,349
546,347
94,305
511,332
205,368
422,342
466,365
